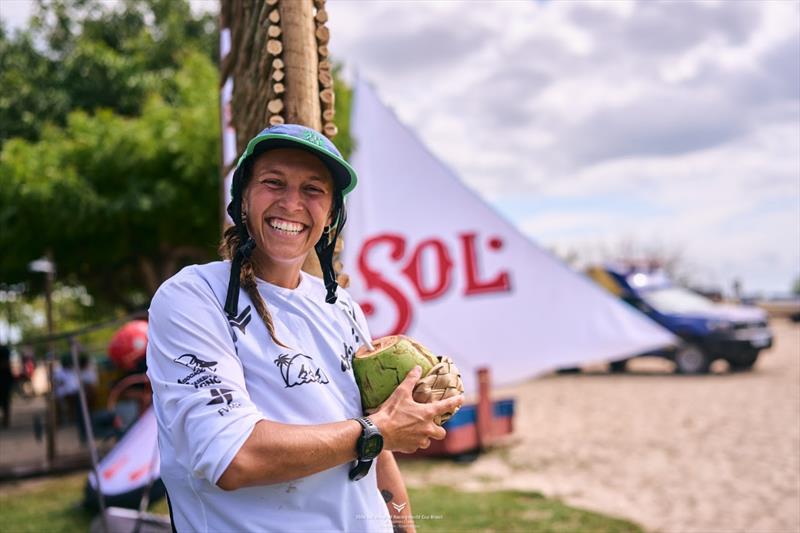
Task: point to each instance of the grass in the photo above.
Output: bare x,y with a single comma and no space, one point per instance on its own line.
446,509
53,506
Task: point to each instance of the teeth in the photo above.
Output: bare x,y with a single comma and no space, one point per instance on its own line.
283,225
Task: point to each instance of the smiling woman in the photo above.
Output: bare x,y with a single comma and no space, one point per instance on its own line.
274,434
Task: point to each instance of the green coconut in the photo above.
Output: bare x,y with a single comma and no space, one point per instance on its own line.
379,372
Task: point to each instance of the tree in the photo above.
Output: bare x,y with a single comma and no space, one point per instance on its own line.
89,54
120,202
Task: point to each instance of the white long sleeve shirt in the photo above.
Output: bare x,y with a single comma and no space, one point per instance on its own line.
215,377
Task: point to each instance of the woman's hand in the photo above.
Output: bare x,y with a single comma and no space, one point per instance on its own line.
407,425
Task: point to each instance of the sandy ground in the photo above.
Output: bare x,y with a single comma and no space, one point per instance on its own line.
673,453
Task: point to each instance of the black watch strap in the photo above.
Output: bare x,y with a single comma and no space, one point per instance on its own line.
371,433
360,469
366,424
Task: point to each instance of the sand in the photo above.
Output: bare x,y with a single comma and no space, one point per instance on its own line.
674,453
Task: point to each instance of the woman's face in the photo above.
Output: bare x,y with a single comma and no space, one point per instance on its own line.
288,203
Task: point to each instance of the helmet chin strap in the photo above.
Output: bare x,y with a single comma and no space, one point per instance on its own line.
232,298
325,249
242,254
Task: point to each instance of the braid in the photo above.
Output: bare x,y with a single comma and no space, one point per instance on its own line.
249,285
227,249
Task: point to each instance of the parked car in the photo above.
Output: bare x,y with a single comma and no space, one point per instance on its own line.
708,330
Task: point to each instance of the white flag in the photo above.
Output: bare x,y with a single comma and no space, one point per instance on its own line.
430,259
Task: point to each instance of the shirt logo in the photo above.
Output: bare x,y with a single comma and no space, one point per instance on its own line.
198,376
299,369
346,357
219,396
240,322
223,396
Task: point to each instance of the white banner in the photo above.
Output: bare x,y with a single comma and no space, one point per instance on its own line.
428,258
134,461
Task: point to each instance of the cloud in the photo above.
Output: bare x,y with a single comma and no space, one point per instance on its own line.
659,122
422,47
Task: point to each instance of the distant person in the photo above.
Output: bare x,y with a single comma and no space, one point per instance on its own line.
27,368
87,374
6,384
65,383
88,377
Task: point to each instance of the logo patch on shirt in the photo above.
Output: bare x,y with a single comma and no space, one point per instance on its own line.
220,395
199,376
240,322
223,396
299,369
346,357
349,350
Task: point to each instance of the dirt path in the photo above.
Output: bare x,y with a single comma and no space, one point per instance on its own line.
676,454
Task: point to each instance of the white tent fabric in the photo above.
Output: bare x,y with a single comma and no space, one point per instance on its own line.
428,258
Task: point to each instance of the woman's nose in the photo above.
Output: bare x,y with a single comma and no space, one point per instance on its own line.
291,199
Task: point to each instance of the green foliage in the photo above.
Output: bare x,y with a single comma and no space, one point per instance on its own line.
342,107
88,54
116,198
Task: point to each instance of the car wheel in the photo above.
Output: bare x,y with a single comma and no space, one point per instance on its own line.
691,359
744,361
618,367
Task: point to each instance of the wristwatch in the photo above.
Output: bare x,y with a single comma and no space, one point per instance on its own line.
368,446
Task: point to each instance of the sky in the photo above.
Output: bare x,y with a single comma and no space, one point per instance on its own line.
597,127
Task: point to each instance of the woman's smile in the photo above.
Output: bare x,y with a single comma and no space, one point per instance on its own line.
286,227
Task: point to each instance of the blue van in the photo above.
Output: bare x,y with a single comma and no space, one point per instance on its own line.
709,330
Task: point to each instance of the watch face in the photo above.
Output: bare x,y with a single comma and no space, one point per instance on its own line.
373,446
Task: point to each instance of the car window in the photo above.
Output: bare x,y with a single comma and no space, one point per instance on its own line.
677,300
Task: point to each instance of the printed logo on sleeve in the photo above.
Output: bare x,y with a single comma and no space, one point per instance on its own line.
220,395
299,369
201,373
223,396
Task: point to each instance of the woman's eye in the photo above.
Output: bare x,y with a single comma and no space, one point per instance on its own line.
315,190
272,183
